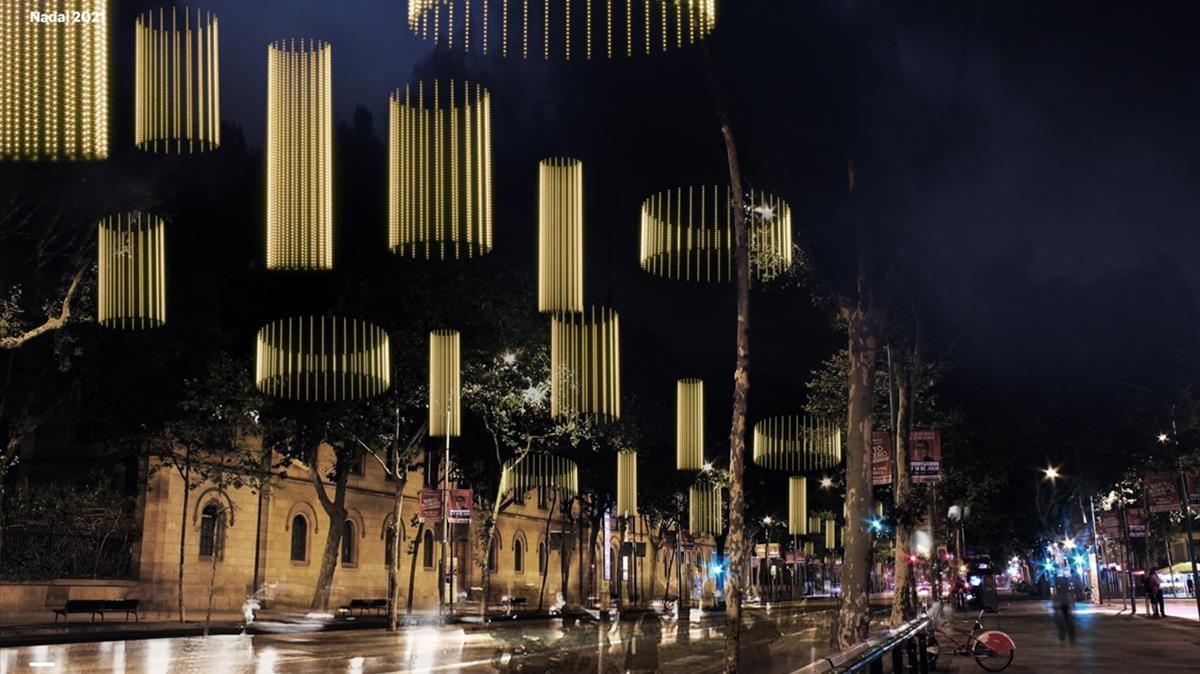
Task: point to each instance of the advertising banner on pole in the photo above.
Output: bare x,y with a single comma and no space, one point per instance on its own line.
1109,524
431,505
1193,488
881,458
925,456
1136,521
461,502
1162,492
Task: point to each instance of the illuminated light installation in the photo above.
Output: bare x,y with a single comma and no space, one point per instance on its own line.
833,539
706,510
797,443
176,83
798,506
560,235
563,28
445,386
689,424
627,502
299,155
538,470
687,234
585,364
132,272
440,172
322,359
53,80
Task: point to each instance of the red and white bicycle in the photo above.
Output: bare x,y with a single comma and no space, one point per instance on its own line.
992,649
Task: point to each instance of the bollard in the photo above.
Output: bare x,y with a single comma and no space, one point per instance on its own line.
897,659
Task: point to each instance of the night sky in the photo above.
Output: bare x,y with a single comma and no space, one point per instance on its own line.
1033,163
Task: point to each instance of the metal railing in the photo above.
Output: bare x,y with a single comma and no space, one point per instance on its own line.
905,646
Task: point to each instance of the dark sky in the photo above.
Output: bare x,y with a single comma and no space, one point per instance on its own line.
1036,161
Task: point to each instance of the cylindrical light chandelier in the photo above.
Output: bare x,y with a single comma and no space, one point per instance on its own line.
445,386
797,443
322,359
706,505
689,424
798,506
627,504
560,235
585,364
53,79
832,539
538,470
132,280
176,82
299,155
563,28
440,172
687,234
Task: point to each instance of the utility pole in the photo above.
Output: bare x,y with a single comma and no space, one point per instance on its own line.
447,584
1187,515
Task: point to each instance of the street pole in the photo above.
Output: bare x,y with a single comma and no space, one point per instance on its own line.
1094,558
448,597
1128,557
1187,520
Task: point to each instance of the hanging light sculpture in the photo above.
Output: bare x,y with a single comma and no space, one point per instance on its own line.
560,235
797,443
322,359
177,82
562,28
689,424
687,234
585,364
798,506
627,503
445,387
299,155
538,470
132,283
53,79
706,510
832,539
440,172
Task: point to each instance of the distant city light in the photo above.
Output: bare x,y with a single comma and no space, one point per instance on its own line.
826,482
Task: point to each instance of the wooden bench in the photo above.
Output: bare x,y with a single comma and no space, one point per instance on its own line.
94,607
364,605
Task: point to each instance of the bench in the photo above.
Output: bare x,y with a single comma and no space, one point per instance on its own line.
511,604
365,605
95,607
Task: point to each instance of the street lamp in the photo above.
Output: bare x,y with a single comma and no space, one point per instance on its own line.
1051,473
1162,437
1069,543
826,482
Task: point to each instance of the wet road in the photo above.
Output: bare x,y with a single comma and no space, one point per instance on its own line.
780,640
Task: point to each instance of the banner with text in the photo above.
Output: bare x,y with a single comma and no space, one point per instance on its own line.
925,456
461,501
1162,493
1135,519
431,505
881,458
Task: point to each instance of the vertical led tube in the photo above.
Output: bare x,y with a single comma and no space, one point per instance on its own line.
798,506
689,424
585,364
132,277
176,106
627,483
560,235
444,384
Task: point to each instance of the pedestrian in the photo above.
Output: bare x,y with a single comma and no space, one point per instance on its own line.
1064,600
1160,609
1191,585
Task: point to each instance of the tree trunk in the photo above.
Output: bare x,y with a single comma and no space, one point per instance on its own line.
854,613
545,568
336,510
741,392
412,567
903,607
187,488
394,560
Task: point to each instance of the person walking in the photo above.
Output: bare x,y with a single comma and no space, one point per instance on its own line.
1191,586
1064,602
1160,609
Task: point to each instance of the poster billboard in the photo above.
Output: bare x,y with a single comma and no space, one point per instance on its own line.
1109,524
461,502
1193,488
1135,519
1162,493
925,456
431,505
881,458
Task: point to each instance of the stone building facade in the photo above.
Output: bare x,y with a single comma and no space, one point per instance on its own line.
271,546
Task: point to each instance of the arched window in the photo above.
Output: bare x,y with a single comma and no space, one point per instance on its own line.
348,543
612,565
427,548
299,539
543,557
212,531
493,556
518,556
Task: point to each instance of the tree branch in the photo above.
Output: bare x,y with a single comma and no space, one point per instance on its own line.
52,323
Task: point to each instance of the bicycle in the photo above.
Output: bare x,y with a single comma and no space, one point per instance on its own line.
992,650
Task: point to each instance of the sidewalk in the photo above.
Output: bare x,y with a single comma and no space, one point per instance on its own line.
1106,640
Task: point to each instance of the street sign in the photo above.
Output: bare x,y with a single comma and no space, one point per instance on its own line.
773,551
881,458
760,550
1162,492
1135,519
431,505
925,456
461,501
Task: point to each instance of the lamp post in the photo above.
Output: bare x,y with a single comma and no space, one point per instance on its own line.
1187,509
